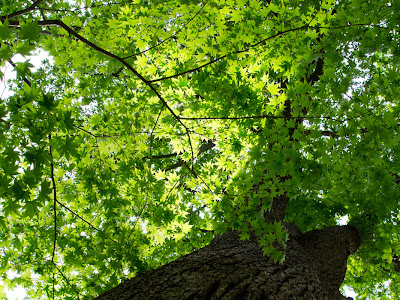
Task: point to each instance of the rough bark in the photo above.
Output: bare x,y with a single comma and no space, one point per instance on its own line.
228,268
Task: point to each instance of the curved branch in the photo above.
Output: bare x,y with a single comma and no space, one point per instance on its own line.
258,43
22,11
121,60
105,52
232,53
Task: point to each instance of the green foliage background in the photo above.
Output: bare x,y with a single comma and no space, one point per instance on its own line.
149,132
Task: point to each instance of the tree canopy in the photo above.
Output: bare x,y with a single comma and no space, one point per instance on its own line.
161,123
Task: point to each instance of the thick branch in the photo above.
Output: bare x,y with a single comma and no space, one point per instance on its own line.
121,60
22,11
109,54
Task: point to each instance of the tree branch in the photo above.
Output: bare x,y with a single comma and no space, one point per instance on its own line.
84,7
203,148
170,37
161,156
232,53
279,203
260,117
78,216
66,279
116,57
26,80
55,202
22,11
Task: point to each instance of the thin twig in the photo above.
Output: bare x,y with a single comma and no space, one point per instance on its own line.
154,127
55,202
203,148
259,117
78,216
161,156
226,55
170,37
14,66
83,8
54,278
260,42
121,60
66,279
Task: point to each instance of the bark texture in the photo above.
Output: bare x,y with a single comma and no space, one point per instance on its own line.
228,268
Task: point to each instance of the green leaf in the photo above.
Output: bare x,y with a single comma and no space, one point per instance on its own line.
11,208
162,120
5,52
26,48
68,120
48,102
31,208
68,147
23,69
30,30
5,30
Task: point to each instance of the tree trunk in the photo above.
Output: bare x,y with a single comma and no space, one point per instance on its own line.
229,268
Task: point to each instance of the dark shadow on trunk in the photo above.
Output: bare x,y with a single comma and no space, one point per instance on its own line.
229,268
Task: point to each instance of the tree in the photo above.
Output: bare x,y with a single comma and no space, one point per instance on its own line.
163,125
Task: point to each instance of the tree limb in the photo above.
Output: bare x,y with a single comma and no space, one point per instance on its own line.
232,53
22,11
26,80
55,202
172,36
78,216
116,57
66,279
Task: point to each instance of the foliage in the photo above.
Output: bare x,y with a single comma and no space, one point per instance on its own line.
163,122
